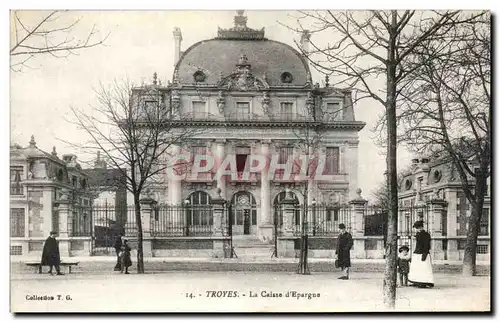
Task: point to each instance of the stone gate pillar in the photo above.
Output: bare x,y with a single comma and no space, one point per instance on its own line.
286,243
147,213
358,208
438,210
220,227
64,229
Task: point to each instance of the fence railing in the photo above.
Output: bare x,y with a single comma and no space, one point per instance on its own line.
316,220
186,220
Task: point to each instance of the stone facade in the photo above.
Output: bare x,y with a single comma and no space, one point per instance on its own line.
434,183
248,95
38,180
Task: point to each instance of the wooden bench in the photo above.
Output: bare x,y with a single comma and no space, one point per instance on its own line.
38,266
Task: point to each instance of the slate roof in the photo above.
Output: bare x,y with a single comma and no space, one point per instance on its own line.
216,56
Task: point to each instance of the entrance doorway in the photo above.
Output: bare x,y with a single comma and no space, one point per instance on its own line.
243,214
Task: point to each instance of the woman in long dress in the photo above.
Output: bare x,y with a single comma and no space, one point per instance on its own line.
421,265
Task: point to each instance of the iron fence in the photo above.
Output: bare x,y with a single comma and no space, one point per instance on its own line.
108,221
186,220
315,220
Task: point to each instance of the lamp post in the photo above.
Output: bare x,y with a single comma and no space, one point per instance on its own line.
188,220
314,216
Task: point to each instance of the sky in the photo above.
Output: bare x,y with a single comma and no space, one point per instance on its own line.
140,43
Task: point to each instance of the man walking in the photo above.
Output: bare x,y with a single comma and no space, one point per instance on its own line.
50,254
343,252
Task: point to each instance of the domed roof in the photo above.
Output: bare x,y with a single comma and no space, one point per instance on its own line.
217,58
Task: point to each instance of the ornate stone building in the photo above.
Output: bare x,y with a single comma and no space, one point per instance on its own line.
250,95
38,182
434,186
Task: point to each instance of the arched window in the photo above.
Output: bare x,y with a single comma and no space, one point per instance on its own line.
277,208
199,211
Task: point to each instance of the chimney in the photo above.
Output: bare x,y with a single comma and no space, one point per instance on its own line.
305,41
99,164
177,44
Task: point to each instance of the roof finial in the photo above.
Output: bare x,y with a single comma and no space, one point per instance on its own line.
240,21
54,153
32,142
98,155
155,78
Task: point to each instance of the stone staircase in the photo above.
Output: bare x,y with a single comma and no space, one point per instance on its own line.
251,247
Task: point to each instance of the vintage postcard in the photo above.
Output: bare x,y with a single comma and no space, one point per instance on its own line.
250,161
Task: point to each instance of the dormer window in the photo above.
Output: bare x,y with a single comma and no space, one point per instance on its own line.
333,111
199,108
243,110
199,76
286,78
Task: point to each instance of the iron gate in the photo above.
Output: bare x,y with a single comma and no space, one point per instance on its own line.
406,219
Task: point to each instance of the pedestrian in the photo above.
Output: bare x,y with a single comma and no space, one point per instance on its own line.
404,260
126,260
50,254
343,252
421,266
118,247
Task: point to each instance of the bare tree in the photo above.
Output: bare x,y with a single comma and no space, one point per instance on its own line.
308,141
370,48
135,130
447,109
50,33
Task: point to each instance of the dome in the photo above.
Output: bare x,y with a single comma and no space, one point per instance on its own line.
210,60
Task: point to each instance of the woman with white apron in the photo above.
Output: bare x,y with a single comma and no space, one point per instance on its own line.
421,265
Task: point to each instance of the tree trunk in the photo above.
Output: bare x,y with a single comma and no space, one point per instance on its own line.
138,220
469,263
303,265
390,274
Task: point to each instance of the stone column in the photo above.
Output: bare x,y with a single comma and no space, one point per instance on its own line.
435,229
221,246
64,207
265,224
220,154
358,211
147,213
174,185
351,166
286,244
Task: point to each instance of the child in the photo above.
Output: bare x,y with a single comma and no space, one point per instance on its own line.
404,265
125,259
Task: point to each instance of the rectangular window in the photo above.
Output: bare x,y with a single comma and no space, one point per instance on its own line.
16,176
333,111
199,109
286,110
243,110
332,161
150,105
484,223
17,222
482,249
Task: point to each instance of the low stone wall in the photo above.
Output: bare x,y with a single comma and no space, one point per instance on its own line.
324,247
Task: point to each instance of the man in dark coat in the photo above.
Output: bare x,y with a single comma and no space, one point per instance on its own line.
50,254
343,252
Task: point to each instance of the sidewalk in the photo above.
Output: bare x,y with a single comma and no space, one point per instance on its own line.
269,260
105,264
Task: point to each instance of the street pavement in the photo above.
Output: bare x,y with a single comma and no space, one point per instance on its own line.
192,291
